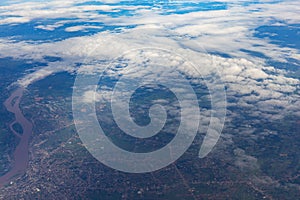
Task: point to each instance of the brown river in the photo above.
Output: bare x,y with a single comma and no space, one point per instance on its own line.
21,153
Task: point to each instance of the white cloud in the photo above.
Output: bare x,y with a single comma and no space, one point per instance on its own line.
190,35
244,161
81,28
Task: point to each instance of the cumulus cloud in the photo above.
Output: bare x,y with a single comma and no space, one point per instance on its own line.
249,81
81,28
244,161
251,84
